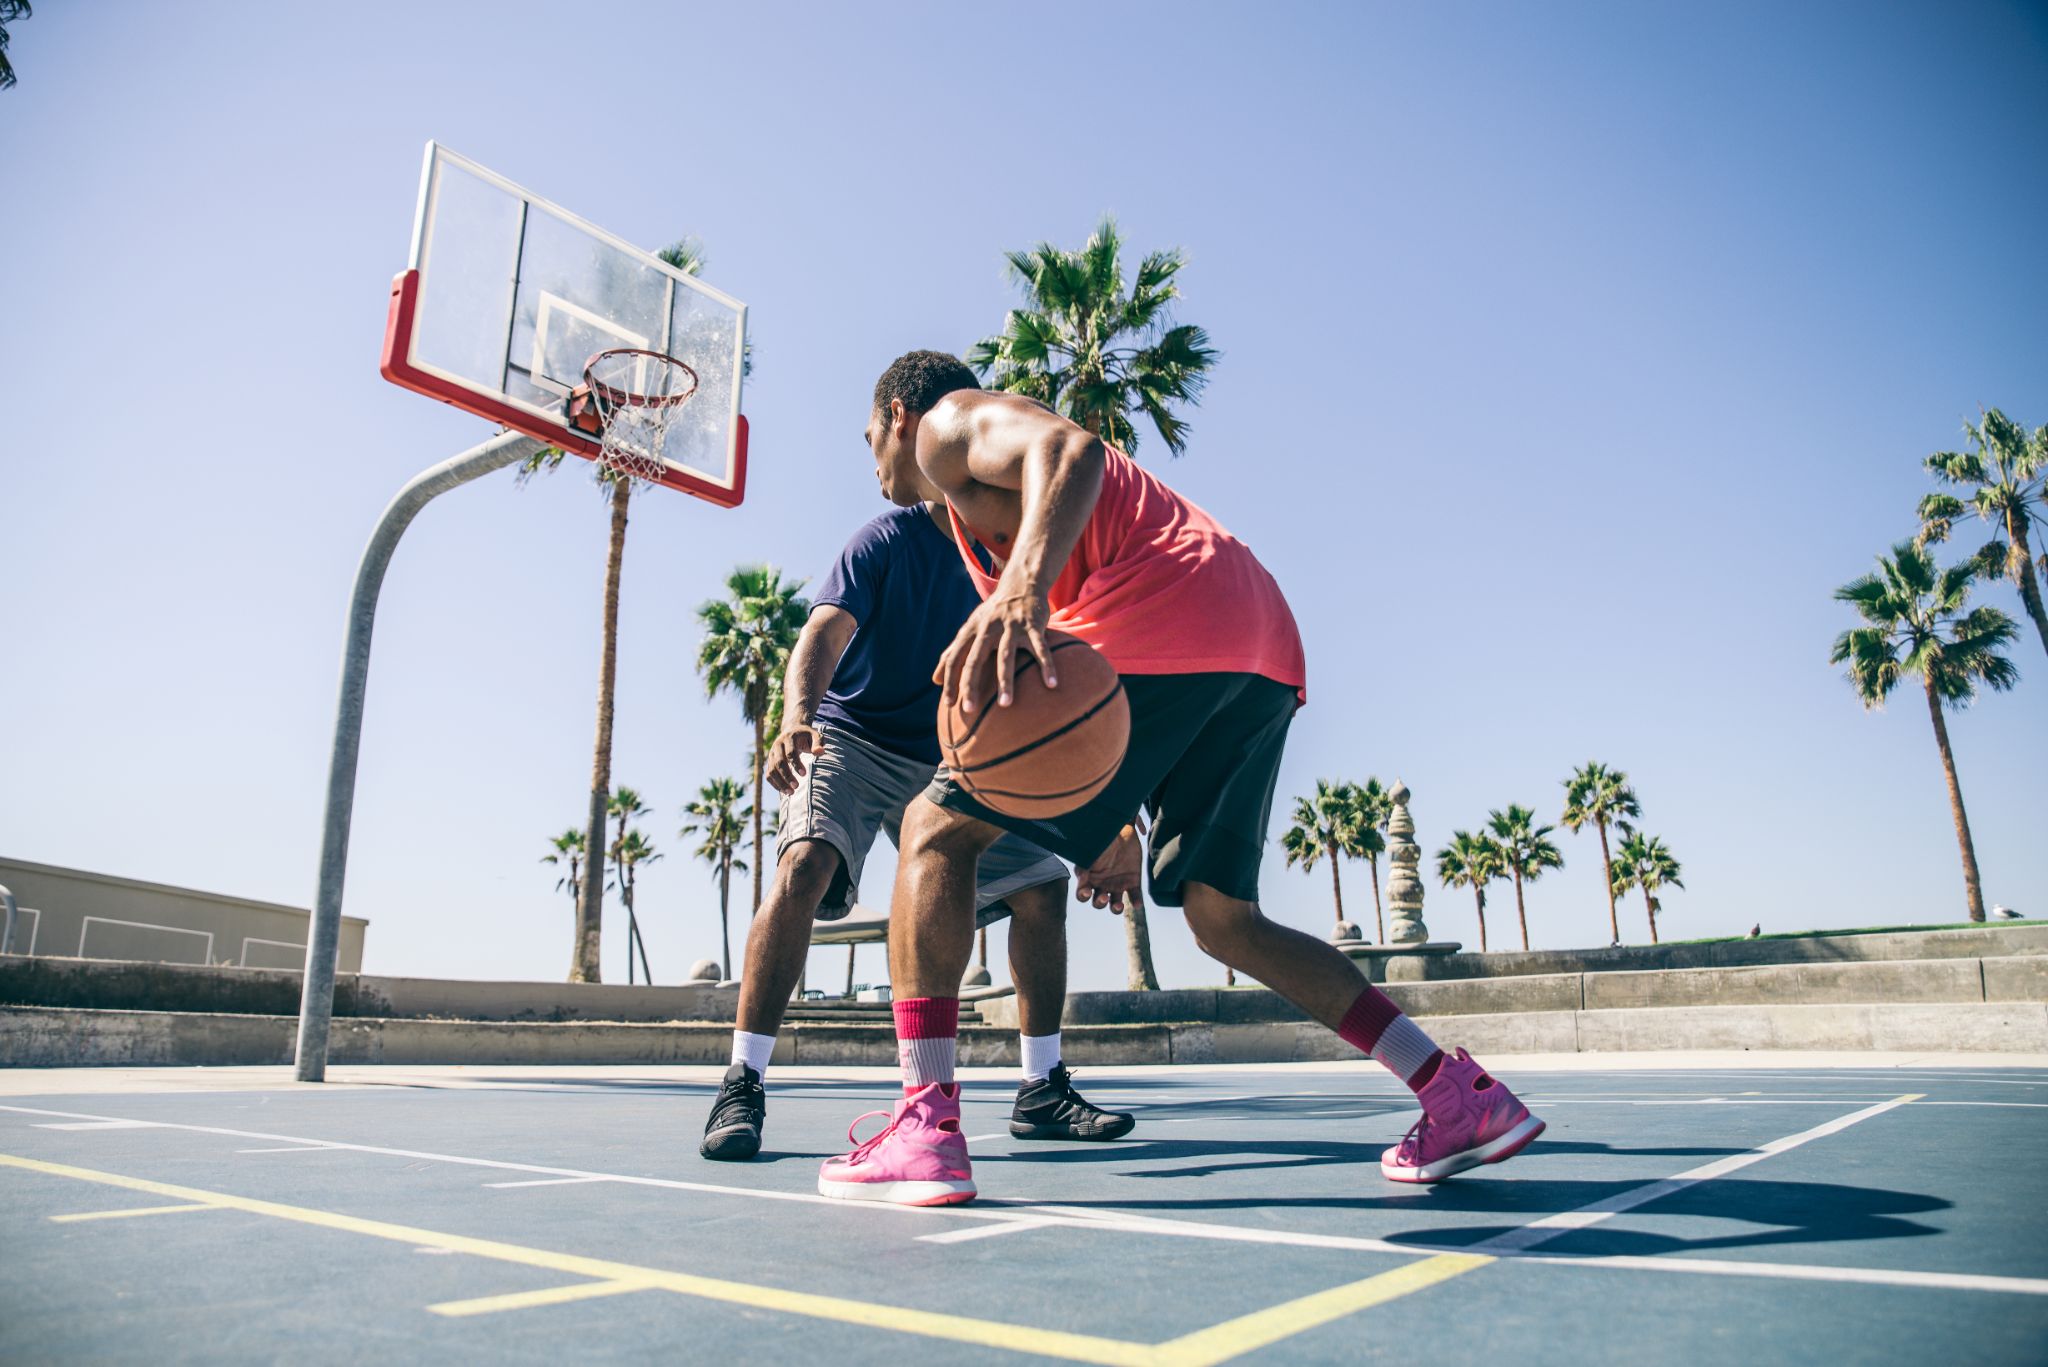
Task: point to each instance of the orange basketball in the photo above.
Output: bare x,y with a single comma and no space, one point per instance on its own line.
1051,749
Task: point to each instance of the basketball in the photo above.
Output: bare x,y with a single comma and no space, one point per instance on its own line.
1051,749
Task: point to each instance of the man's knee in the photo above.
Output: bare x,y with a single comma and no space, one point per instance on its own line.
932,832
1221,925
804,873
1041,907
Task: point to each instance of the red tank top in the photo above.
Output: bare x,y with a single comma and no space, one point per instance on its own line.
1159,587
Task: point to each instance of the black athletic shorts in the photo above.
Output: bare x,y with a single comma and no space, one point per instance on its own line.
1204,758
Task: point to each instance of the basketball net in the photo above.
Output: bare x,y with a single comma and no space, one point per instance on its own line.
634,393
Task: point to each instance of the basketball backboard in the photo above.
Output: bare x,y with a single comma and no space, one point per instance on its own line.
508,296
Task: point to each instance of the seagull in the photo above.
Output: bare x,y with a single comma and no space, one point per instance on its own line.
2005,913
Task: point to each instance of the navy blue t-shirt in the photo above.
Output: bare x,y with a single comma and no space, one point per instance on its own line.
901,579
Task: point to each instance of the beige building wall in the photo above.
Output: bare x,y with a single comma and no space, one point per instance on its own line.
74,914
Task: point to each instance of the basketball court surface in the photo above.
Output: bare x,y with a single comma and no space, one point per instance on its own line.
1679,1209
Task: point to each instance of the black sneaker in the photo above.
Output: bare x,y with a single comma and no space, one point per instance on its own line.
733,1133
1052,1109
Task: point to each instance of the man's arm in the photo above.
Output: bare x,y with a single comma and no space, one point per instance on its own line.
1054,466
811,663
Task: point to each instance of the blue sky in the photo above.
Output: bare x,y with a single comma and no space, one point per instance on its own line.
1572,356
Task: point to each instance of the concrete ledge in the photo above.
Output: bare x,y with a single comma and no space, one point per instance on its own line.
1911,980
132,986
1975,943
2009,1027
56,1037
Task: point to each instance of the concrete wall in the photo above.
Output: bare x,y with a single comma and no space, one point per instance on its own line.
77,914
1978,942
97,985
55,1037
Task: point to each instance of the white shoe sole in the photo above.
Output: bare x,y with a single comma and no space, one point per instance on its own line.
1493,1151
899,1193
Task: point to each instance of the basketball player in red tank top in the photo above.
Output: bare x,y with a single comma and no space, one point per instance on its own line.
1093,545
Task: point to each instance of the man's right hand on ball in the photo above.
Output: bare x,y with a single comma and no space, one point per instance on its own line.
784,771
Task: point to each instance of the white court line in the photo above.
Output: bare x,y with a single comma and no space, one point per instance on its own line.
979,1138
549,1182
1564,1222
102,1125
1761,1101
1802,1272
992,1230
291,1148
1073,1217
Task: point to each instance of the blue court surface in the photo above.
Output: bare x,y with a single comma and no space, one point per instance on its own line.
1763,1213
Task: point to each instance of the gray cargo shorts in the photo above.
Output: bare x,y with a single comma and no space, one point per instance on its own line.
856,790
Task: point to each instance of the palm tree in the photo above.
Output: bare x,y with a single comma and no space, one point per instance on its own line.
1600,795
1374,809
567,848
1325,826
1471,861
718,815
624,805
748,635
1645,864
632,850
688,257
1525,852
1084,348
10,10
2006,476
1918,621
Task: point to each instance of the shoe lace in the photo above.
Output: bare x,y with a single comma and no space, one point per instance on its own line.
862,1148
1411,1144
737,1096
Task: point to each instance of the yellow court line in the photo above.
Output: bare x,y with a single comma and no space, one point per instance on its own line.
126,1214
1200,1349
527,1300
1266,1327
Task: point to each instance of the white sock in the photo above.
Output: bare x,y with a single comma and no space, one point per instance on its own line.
1041,1055
926,1061
752,1050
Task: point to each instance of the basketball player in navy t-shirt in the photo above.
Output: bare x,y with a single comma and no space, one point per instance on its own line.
859,701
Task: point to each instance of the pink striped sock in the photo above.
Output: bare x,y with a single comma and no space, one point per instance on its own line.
1374,1025
927,1029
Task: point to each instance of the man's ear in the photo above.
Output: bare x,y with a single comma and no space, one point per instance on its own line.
899,417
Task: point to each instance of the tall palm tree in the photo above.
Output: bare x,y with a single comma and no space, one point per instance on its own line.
1645,864
1325,827
10,10
720,815
1085,348
1525,852
1471,861
1598,795
2007,476
567,848
1375,808
1918,620
632,850
623,806
748,635
688,257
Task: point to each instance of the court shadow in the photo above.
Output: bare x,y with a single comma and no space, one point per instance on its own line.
1669,1151
1265,1153
1780,1213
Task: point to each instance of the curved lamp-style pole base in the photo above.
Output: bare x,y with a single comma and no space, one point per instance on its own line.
316,999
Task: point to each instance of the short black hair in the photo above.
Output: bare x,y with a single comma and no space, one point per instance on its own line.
921,379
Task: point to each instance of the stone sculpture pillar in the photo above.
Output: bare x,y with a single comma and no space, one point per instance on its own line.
1404,883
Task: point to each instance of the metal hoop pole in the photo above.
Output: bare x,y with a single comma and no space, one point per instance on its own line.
323,943
7,930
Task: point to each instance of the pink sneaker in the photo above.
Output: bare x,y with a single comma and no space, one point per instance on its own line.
919,1158
1467,1119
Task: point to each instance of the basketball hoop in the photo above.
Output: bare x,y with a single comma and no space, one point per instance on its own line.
626,399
